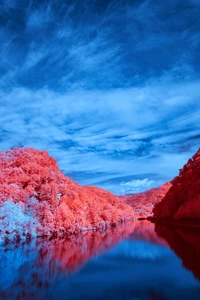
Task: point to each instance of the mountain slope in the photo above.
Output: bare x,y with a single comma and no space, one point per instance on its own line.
37,199
143,203
182,201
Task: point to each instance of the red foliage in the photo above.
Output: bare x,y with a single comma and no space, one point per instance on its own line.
183,199
31,179
143,203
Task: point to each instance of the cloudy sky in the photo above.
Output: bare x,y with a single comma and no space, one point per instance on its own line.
110,88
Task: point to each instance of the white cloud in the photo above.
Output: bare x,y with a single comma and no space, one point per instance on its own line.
131,187
122,132
136,186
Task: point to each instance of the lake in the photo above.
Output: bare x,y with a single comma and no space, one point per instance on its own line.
136,260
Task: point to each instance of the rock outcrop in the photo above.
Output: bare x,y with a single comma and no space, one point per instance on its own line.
37,199
143,203
182,201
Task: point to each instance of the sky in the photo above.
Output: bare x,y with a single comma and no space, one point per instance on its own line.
110,88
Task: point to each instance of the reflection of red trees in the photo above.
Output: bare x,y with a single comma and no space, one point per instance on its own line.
185,243
55,256
145,230
183,199
75,251
143,203
47,260
32,179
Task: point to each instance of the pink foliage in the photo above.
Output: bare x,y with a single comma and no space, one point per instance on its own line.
32,180
143,203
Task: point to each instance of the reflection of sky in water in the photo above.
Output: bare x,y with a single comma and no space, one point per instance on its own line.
94,266
139,250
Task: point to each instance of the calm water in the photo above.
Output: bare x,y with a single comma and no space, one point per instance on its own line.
132,261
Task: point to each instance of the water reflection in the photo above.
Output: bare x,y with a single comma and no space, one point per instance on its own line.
185,242
130,261
145,230
29,267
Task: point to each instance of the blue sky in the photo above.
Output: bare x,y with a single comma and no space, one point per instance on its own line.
110,88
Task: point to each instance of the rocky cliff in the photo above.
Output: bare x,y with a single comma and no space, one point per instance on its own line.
182,201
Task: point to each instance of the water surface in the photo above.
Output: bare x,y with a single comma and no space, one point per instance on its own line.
132,261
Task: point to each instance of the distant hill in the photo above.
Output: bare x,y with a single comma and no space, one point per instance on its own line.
143,203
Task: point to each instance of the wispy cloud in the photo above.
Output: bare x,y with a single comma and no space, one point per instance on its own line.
96,45
108,88
121,132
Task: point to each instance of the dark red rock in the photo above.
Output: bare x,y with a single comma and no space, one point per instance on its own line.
182,201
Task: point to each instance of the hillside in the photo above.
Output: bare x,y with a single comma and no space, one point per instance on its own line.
143,203
182,201
37,199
